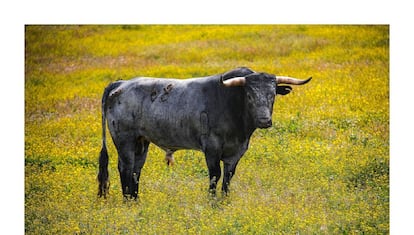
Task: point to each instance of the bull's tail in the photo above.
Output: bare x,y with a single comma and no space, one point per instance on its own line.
103,176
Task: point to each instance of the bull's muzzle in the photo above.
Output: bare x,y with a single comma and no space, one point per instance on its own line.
264,122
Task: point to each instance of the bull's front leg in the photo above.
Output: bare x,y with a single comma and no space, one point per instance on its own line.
229,171
214,171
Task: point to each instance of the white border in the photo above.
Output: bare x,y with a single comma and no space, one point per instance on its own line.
18,13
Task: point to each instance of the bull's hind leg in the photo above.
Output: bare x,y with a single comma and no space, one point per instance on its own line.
126,159
132,154
141,152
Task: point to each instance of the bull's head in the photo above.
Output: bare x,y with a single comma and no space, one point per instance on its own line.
260,90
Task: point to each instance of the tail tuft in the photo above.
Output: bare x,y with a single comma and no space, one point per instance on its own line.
103,176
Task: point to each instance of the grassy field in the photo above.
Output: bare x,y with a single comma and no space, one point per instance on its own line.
323,168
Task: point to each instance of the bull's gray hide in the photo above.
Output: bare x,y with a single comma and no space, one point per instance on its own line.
216,115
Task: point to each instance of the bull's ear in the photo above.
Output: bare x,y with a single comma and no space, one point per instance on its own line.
283,90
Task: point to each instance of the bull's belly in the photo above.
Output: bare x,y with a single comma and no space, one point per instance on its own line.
174,146
171,134
174,143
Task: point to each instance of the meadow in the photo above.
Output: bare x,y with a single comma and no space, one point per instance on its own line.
322,168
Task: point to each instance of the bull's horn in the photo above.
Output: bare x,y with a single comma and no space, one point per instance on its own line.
237,81
289,80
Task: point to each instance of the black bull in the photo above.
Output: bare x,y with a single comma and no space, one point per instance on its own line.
215,114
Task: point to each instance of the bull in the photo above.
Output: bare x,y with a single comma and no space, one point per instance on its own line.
216,115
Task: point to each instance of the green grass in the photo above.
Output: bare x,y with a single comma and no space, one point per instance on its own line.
323,168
